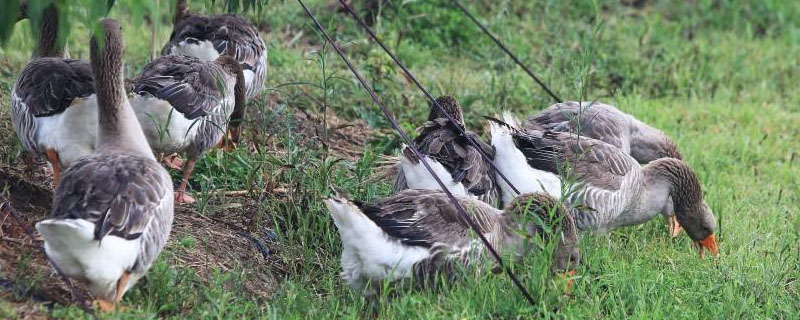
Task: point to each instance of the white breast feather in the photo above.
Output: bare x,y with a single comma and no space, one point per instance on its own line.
71,247
418,177
72,133
511,162
369,254
166,129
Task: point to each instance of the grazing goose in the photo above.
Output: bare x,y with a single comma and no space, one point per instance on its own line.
457,163
610,125
185,104
53,105
418,233
112,212
208,37
615,190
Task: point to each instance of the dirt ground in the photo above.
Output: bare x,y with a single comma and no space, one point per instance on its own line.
224,240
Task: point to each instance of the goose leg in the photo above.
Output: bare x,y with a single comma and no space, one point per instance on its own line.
52,156
226,143
173,161
121,284
181,196
674,227
103,305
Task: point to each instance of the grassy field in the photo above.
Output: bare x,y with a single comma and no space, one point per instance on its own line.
720,77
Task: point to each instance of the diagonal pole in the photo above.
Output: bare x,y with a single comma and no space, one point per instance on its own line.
419,156
427,94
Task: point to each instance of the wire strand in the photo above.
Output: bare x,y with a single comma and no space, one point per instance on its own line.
417,154
427,94
508,52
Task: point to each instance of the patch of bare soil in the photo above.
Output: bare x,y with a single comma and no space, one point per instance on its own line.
222,242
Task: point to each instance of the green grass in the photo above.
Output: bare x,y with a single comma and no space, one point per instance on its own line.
720,77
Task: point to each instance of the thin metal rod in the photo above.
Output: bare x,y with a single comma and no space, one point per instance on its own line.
5,206
419,156
427,94
508,52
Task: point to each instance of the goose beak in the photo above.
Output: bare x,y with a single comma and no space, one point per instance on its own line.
709,243
568,276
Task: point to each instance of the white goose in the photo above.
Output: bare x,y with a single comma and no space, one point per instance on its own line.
53,105
456,162
610,125
418,233
187,105
113,210
208,37
615,190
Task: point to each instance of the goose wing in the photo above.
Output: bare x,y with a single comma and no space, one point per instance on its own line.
439,140
121,194
194,88
426,217
595,120
594,162
47,86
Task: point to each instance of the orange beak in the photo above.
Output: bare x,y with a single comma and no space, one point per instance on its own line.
709,243
568,275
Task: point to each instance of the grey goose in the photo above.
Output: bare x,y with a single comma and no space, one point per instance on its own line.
615,190
208,37
417,233
457,162
188,105
112,212
608,124
53,104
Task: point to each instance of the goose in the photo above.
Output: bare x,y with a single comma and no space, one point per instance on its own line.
112,212
208,37
616,191
456,162
608,124
418,233
185,104
53,102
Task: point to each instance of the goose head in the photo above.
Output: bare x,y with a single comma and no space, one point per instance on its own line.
546,216
451,106
692,213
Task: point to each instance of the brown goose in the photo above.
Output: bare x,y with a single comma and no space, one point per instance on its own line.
616,191
112,212
185,105
610,125
418,233
208,37
53,105
457,163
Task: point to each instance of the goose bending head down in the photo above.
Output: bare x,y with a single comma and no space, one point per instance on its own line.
188,105
615,190
418,233
53,105
457,162
113,210
608,124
